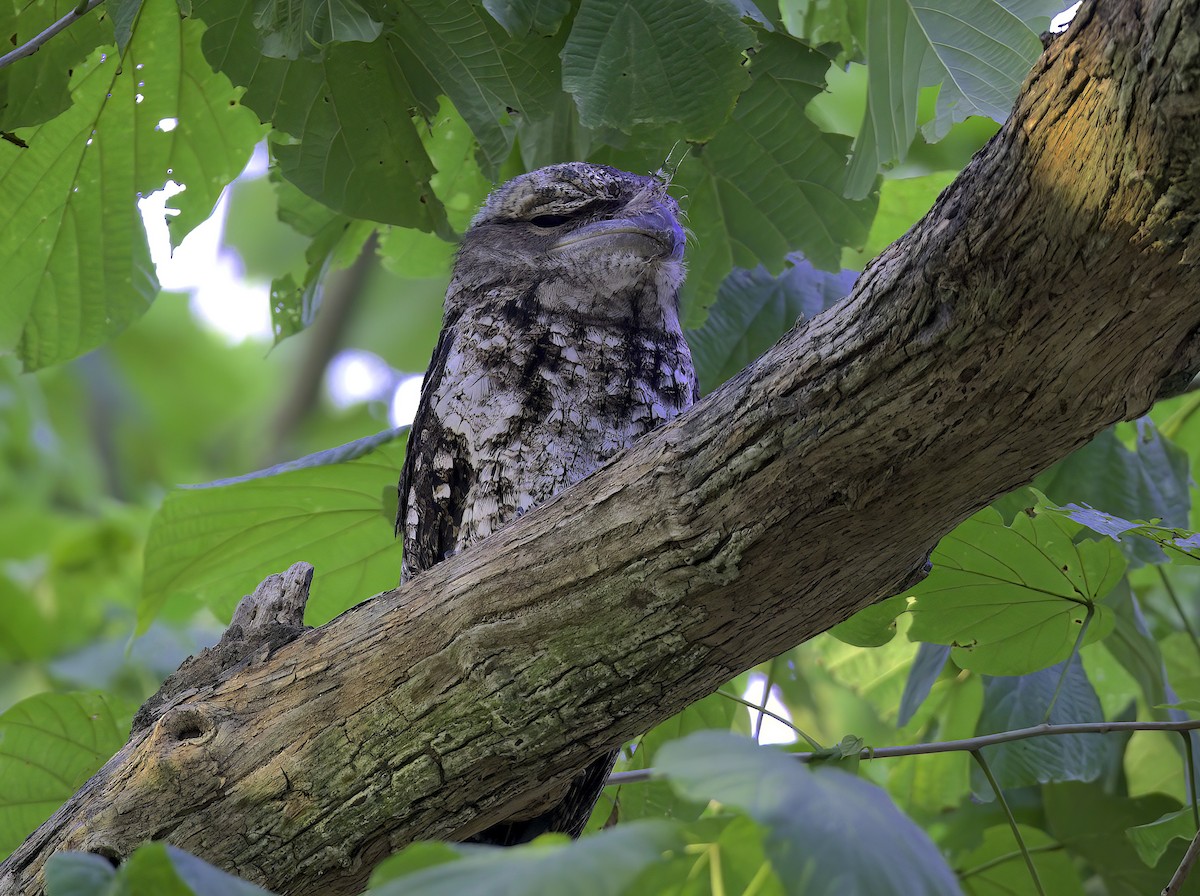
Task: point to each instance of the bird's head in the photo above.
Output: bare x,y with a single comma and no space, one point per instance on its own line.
577,233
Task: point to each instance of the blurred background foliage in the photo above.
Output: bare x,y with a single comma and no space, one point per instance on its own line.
297,319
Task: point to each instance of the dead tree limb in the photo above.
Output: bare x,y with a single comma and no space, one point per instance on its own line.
1052,290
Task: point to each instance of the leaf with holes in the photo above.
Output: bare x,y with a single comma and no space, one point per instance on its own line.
1012,600
76,264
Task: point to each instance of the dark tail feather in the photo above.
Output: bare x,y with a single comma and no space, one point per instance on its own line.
568,817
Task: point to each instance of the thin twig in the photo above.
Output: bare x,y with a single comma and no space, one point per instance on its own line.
1183,617
761,708
34,44
967,745
1185,867
1012,821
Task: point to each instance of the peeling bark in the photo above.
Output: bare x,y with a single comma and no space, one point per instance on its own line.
1051,291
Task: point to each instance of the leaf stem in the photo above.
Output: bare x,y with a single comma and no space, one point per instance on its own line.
1185,866
1170,589
1012,820
1062,678
778,718
1191,774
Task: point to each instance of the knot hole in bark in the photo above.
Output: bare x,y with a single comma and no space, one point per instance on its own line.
186,723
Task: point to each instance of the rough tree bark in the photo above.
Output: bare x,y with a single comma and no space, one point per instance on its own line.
1051,291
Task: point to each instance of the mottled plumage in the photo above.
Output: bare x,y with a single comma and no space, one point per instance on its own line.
560,345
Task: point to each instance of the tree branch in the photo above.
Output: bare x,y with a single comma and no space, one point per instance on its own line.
34,44
1051,291
963,745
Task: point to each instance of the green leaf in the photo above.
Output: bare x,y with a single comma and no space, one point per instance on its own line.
198,876
656,799
1014,600
412,858
490,77
1093,825
823,23
1151,840
901,204
602,864
294,305
294,28
79,874
807,814
1179,545
997,867
36,89
124,14
49,745
926,669
938,783
1021,702
522,18
343,128
872,626
977,50
769,182
626,69
458,182
1149,483
753,310
77,267
335,509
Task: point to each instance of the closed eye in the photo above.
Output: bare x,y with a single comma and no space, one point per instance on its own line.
549,220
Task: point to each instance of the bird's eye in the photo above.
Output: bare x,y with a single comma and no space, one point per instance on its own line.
549,220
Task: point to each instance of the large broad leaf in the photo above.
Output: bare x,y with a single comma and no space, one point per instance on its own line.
459,184
36,88
343,127
926,669
154,868
808,814
76,265
602,864
491,78
996,866
335,509
294,28
979,51
754,309
1014,600
656,799
1011,702
1093,824
1178,545
1151,482
938,783
49,745
662,62
521,18
770,182
80,874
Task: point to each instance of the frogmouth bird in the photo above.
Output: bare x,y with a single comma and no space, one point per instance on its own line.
560,345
